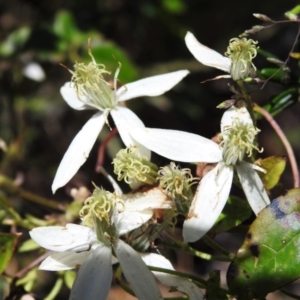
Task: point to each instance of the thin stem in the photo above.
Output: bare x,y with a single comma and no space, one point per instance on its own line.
8,184
202,282
194,252
32,265
211,243
284,141
247,100
290,294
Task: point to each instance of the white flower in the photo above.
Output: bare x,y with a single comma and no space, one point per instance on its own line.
81,246
240,53
89,90
238,134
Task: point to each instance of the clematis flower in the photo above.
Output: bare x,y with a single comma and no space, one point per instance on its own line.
238,62
89,90
237,133
91,248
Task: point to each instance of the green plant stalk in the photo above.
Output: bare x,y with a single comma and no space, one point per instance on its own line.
211,243
9,185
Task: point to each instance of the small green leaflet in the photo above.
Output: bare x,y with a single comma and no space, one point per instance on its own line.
7,245
270,255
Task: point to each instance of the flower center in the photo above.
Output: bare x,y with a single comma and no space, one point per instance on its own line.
241,52
237,140
97,212
131,166
92,88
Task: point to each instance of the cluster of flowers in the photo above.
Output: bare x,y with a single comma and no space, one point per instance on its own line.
96,244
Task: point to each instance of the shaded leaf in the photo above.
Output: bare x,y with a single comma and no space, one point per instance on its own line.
7,245
274,165
69,278
236,211
270,255
213,290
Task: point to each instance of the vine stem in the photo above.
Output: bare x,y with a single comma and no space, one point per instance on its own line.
284,141
13,188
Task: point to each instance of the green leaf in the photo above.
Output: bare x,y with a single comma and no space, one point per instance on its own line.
69,278
274,74
15,40
28,245
270,255
7,245
110,55
274,165
235,212
213,290
64,25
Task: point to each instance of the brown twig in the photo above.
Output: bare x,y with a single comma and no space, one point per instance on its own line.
284,140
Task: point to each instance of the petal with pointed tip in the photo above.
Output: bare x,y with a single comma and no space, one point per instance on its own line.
59,238
209,200
79,150
181,284
253,187
136,272
69,94
151,86
125,120
94,277
178,145
233,113
59,261
205,55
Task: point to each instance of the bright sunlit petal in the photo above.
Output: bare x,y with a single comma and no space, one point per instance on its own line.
209,200
253,187
136,272
64,238
59,261
78,150
126,120
151,86
68,92
205,55
178,145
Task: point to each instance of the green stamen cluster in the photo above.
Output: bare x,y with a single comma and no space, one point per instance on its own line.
91,86
241,52
177,182
130,166
97,213
238,141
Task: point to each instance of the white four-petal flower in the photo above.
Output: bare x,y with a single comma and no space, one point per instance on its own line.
214,188
78,246
123,117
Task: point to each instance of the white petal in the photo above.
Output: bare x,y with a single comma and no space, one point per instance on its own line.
68,92
58,238
59,261
253,187
181,284
94,277
79,150
34,71
178,145
125,120
206,55
127,221
151,86
136,272
209,200
149,199
234,113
